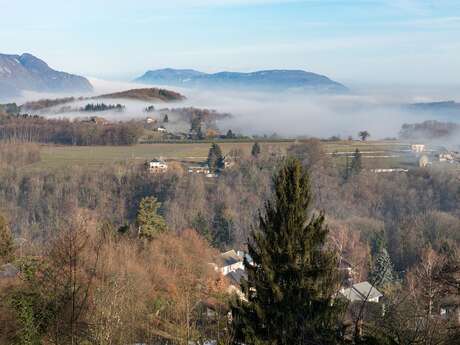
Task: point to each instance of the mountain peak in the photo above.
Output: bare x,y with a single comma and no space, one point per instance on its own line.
27,72
32,62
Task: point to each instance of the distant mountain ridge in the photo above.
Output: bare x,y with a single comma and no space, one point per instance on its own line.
441,106
444,110
27,72
268,80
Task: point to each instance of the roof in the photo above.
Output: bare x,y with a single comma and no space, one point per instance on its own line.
8,271
235,276
230,257
156,160
361,292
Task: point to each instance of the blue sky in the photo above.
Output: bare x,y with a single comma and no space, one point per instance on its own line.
359,41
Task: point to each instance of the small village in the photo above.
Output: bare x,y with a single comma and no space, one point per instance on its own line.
360,296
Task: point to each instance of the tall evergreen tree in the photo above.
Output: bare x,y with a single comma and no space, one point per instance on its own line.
383,271
293,279
215,158
230,134
195,124
166,118
6,242
223,235
255,151
149,222
356,163
201,225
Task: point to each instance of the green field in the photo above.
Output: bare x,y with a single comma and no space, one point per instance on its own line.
96,156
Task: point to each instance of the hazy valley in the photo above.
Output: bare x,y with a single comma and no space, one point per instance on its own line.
263,173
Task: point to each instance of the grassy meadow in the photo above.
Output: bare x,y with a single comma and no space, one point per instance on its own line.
378,154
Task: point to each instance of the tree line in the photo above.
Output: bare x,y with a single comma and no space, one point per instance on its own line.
90,107
26,128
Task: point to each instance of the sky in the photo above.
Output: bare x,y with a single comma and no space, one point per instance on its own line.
359,42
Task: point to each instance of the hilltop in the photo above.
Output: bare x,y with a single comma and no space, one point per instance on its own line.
146,95
27,72
269,80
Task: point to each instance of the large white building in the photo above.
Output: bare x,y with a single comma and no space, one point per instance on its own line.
231,261
157,166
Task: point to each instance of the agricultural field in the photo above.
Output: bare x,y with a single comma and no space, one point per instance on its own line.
376,154
95,156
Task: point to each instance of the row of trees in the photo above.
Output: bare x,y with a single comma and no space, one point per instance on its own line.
90,107
429,130
40,130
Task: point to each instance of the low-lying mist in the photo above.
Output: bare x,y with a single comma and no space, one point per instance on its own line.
288,114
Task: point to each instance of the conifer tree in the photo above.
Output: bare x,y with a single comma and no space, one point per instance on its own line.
6,242
255,151
201,225
149,222
195,125
383,271
215,158
166,119
293,279
230,134
223,234
356,163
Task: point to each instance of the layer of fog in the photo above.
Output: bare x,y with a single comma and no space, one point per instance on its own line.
287,114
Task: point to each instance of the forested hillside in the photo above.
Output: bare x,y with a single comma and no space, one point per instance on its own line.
131,232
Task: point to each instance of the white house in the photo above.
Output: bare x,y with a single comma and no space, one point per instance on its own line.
228,162
417,148
161,129
157,166
199,170
231,262
450,308
446,157
362,292
396,170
